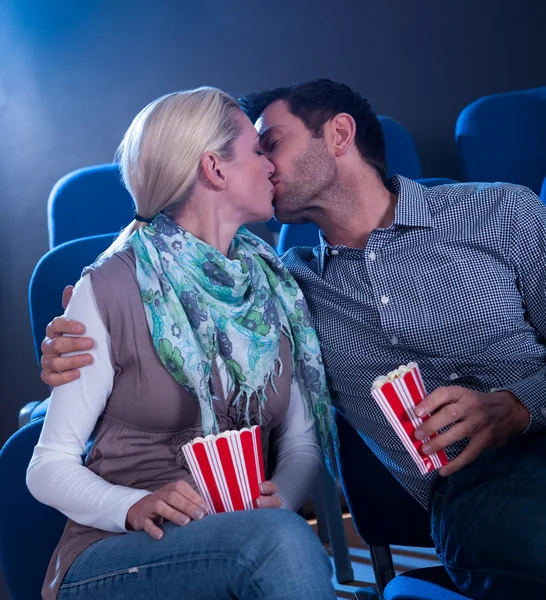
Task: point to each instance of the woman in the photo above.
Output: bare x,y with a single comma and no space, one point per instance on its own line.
198,329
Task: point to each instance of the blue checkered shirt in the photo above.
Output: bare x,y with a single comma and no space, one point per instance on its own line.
457,284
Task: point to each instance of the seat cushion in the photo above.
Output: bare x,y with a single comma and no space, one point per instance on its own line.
40,410
431,583
29,530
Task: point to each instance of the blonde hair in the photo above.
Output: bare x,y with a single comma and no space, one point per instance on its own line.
160,153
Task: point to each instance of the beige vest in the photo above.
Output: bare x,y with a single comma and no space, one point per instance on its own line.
148,417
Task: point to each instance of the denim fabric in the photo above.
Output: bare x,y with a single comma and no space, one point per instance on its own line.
252,555
489,523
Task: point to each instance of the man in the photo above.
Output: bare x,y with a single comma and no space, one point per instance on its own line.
450,277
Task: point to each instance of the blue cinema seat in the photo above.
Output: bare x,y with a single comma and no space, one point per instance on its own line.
502,137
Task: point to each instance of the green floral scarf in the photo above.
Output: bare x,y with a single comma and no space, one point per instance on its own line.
201,304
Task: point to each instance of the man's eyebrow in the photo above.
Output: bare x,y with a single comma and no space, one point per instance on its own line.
263,134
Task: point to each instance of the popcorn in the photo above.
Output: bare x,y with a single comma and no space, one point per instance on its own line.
397,394
227,468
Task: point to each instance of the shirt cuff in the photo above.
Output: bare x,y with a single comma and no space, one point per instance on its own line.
532,393
128,499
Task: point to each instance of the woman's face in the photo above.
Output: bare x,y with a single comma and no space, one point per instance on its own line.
248,184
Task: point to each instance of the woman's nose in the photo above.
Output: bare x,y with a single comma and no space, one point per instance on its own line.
269,167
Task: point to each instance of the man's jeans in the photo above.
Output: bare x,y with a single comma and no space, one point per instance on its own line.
260,554
489,522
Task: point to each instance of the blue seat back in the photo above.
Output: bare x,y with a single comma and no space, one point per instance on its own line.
383,512
503,138
87,202
402,157
58,268
29,530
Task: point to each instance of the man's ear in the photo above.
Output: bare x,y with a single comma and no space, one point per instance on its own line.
212,169
342,131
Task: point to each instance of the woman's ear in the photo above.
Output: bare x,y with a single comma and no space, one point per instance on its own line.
213,170
343,131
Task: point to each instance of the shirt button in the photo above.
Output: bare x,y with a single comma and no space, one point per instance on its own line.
385,299
372,256
334,252
394,340
453,376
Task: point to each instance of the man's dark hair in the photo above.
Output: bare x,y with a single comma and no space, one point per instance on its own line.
315,103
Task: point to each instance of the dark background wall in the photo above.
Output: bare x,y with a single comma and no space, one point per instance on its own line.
73,74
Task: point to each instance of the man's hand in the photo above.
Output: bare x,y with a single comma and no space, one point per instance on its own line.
489,420
176,502
268,498
57,370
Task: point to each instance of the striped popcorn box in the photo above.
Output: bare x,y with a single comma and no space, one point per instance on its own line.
397,394
227,468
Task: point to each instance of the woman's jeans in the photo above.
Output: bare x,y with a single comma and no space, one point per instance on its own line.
489,522
251,555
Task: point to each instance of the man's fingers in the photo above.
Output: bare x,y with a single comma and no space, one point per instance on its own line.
64,344
470,453
453,434
67,295
62,325
60,364
269,502
268,488
56,379
452,413
152,529
439,397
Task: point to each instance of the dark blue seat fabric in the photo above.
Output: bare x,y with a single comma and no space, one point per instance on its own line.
87,202
402,157
29,531
385,514
502,137
60,267
409,587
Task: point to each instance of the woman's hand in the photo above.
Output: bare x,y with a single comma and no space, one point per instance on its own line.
268,499
176,502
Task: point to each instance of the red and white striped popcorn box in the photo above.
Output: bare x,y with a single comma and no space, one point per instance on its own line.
397,394
227,468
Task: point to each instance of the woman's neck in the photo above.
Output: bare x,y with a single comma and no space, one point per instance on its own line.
208,223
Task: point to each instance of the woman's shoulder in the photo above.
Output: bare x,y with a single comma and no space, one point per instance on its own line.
114,281
120,264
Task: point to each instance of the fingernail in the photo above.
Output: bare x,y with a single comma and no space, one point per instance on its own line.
203,506
184,520
198,514
418,434
159,535
87,360
426,449
258,502
419,411
88,344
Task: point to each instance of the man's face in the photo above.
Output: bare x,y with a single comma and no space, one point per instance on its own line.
304,168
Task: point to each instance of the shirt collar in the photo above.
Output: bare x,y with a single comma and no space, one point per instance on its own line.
412,210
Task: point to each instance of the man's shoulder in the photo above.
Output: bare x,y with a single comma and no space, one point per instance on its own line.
475,196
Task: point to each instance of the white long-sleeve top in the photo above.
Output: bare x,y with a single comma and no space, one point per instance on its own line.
57,477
